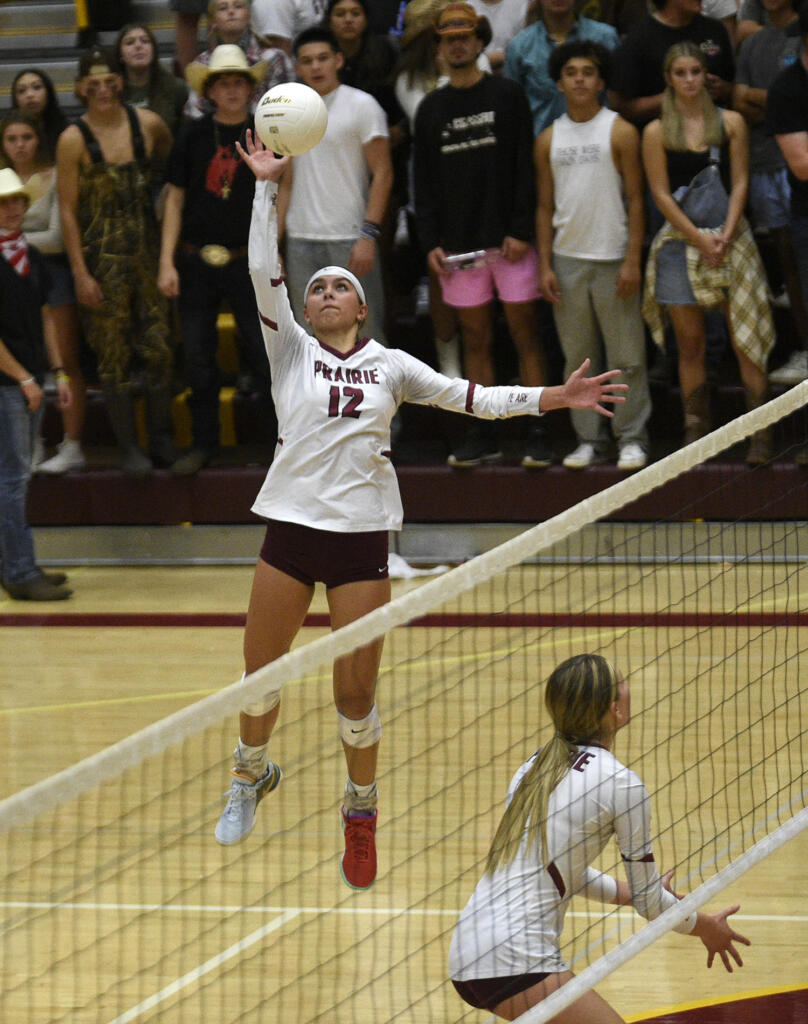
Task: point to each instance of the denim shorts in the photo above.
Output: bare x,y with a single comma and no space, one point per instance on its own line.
769,199
512,282
673,286
61,291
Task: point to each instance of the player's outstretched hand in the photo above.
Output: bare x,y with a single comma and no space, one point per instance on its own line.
582,392
719,938
264,164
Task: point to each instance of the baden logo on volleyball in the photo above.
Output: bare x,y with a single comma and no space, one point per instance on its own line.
291,119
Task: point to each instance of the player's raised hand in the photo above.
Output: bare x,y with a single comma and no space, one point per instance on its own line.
582,392
264,164
719,938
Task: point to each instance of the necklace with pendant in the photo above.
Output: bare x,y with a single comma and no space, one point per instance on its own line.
229,173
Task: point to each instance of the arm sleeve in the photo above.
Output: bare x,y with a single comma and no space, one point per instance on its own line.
599,886
422,385
277,320
49,240
633,828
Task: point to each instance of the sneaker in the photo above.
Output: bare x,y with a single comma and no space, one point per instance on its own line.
191,462
238,817
793,371
68,456
37,589
480,446
358,864
538,449
632,456
583,456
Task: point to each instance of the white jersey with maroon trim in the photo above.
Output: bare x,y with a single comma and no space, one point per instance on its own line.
332,468
512,923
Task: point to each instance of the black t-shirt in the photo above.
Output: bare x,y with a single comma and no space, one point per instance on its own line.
219,187
786,113
640,59
474,182
21,302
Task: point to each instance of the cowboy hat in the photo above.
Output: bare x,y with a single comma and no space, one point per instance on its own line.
227,59
11,185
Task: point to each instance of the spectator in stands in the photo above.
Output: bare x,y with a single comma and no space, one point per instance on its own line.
705,257
752,17
527,55
24,149
589,251
339,189
229,23
368,59
640,81
146,82
100,19
418,71
186,31
112,241
507,19
280,22
28,345
787,121
474,193
761,58
33,91
203,256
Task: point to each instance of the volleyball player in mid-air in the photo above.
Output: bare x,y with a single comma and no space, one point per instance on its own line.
330,497
564,804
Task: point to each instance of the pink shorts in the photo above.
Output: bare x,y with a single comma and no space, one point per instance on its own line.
512,282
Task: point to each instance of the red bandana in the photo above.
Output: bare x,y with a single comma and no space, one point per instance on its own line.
14,249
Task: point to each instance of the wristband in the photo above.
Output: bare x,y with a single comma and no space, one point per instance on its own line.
62,377
371,230
27,381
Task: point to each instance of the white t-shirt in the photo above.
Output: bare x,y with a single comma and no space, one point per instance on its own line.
719,9
506,17
330,183
332,468
512,923
583,167
286,18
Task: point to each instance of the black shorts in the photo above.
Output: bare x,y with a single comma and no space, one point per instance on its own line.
488,993
321,556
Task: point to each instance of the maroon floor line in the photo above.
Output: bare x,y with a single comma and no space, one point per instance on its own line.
448,620
771,1008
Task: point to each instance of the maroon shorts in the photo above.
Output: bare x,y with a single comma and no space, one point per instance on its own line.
321,556
488,993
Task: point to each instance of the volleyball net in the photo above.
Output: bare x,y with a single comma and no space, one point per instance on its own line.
118,905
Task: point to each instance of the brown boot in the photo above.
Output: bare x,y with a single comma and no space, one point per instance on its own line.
697,413
760,443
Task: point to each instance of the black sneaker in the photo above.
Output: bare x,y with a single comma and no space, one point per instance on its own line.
480,446
539,452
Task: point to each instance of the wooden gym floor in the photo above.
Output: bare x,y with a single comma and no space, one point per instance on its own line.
135,644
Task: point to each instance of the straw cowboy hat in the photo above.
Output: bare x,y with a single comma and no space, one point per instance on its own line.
227,59
11,185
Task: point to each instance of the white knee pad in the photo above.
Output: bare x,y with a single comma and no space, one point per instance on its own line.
263,704
363,732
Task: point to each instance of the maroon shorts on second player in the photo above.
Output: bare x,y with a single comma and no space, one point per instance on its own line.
321,556
488,993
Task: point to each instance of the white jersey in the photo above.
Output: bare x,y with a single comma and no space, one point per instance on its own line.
332,468
583,167
512,923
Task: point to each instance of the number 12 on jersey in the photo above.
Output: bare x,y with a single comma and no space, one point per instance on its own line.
353,398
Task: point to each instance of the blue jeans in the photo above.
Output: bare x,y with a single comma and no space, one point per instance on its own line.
18,428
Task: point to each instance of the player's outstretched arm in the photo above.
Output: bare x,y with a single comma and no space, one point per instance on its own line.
582,392
719,938
264,164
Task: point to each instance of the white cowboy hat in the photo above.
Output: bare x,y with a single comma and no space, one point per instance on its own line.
11,184
227,59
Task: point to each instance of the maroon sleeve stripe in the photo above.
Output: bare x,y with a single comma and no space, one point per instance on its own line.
558,881
470,397
647,859
276,281
265,320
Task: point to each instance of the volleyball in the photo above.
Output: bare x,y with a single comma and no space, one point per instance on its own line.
290,119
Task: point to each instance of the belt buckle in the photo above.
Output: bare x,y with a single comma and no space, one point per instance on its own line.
215,255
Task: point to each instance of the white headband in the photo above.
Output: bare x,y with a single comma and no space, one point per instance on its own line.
335,272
